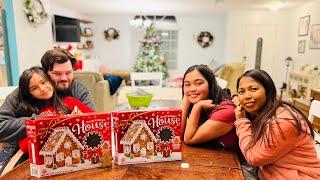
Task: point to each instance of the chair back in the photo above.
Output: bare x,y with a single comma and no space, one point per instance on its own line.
146,76
315,112
231,72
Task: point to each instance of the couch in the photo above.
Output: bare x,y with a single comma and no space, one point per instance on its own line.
99,89
231,72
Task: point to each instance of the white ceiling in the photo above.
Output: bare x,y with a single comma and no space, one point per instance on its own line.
174,7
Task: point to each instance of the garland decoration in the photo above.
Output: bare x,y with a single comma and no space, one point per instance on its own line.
205,39
111,34
35,12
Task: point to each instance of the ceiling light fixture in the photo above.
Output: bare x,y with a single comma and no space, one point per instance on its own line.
140,22
276,5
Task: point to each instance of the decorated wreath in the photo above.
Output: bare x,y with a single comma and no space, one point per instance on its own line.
111,34
35,12
205,39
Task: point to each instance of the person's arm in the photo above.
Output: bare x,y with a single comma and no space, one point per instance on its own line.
261,153
185,105
82,93
12,127
195,134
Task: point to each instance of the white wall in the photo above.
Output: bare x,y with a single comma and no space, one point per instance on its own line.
121,53
236,23
115,54
228,31
32,41
190,52
310,56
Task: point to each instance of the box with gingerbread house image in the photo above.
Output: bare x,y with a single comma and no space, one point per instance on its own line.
67,143
147,136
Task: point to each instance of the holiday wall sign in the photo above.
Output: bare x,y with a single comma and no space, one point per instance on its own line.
147,136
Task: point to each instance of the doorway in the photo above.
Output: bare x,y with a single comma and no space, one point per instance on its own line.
260,39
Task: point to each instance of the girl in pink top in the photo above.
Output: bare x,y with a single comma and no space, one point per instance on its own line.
273,135
207,110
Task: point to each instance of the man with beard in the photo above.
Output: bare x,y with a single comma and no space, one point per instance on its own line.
58,64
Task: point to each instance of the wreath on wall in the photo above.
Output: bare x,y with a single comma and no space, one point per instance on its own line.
111,34
35,12
205,39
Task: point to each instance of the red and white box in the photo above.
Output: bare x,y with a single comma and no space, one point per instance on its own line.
67,143
147,136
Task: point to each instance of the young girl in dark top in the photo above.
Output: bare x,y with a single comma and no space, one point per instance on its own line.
207,109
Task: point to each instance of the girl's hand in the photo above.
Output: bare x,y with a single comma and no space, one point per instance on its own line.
240,112
76,110
205,104
235,100
185,102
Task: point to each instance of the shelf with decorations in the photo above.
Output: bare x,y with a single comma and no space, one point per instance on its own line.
86,33
300,85
85,21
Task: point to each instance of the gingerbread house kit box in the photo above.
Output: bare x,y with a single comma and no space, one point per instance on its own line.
147,136
65,143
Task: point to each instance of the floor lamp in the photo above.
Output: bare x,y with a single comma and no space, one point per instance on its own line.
288,61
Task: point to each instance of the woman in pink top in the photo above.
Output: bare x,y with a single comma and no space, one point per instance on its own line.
207,110
273,135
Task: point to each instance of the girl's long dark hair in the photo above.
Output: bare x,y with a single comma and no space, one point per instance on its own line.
268,114
216,93
29,105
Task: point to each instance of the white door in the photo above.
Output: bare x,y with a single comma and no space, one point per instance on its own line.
268,33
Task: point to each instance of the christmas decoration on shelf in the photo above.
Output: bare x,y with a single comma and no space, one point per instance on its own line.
205,39
111,34
35,12
150,57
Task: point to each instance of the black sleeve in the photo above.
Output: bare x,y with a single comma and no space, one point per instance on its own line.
12,127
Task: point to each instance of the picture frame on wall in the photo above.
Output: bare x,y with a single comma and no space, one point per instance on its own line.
315,37
301,46
304,26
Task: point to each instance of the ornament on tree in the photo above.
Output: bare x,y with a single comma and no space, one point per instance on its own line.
150,57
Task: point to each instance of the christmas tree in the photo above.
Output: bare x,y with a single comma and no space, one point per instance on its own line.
150,57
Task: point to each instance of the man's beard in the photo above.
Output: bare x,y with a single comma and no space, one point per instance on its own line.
63,91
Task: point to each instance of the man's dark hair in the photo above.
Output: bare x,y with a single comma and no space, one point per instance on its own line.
57,55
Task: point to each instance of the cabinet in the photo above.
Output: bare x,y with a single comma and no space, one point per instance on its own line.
299,85
304,106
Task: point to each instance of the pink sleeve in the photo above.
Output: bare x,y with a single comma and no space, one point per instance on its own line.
261,153
223,114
